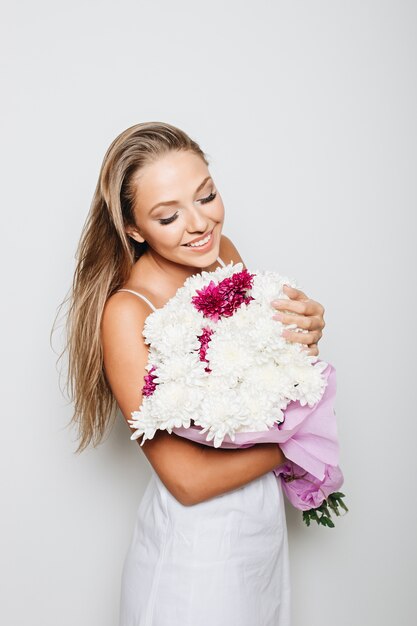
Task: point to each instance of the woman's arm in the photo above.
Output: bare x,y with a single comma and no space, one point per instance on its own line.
192,472
195,472
306,313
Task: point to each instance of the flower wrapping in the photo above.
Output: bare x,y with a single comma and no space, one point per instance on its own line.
303,489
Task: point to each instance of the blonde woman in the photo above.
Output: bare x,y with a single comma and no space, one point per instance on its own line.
209,545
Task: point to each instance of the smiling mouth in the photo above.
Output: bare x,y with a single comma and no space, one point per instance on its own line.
202,242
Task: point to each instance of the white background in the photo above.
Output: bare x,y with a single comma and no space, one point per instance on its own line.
307,111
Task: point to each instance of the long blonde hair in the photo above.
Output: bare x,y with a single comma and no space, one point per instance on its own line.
105,256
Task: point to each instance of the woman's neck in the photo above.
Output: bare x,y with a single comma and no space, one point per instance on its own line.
158,275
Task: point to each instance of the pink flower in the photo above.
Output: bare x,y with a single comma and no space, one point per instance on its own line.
204,341
222,300
149,386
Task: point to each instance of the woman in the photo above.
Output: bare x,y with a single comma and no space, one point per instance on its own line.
209,545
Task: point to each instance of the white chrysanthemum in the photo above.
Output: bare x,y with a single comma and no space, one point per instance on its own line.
244,317
154,358
295,353
268,286
173,329
144,422
290,353
183,368
175,404
215,384
311,384
260,407
265,336
267,376
222,414
228,357
171,406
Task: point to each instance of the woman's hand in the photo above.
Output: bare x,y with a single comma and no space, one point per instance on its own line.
307,314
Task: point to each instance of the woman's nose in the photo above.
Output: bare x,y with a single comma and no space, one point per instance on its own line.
196,220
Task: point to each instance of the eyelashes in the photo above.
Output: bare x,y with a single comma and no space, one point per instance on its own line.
209,198
168,220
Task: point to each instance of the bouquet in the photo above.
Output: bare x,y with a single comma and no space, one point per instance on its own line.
221,373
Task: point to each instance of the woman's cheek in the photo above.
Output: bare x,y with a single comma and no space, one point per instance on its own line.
218,213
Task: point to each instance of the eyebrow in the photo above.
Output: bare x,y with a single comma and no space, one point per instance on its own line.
170,202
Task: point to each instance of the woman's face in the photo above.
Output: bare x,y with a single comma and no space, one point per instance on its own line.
192,208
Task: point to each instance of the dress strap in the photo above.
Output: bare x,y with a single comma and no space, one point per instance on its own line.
221,262
139,296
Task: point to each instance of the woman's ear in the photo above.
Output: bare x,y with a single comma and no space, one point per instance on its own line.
131,231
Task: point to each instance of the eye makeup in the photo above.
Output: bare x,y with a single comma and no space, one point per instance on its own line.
168,220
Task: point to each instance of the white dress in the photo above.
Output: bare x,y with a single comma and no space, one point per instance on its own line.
220,562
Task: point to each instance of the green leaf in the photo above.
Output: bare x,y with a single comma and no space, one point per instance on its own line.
326,510
343,505
333,506
322,514
340,501
313,515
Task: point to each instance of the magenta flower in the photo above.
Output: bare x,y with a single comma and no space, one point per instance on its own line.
222,300
149,386
204,339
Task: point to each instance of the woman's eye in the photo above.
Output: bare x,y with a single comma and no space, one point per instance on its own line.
209,198
168,220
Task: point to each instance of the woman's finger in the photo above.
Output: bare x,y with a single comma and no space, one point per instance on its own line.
313,350
295,294
304,338
302,307
311,322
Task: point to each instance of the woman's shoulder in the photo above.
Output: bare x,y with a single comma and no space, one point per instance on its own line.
123,313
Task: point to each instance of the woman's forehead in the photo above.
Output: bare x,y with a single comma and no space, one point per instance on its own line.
170,177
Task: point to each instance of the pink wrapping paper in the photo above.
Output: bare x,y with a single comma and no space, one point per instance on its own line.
303,490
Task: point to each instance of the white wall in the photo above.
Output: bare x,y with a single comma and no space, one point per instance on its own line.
307,110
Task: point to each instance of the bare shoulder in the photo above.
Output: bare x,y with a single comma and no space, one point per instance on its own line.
228,251
124,311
